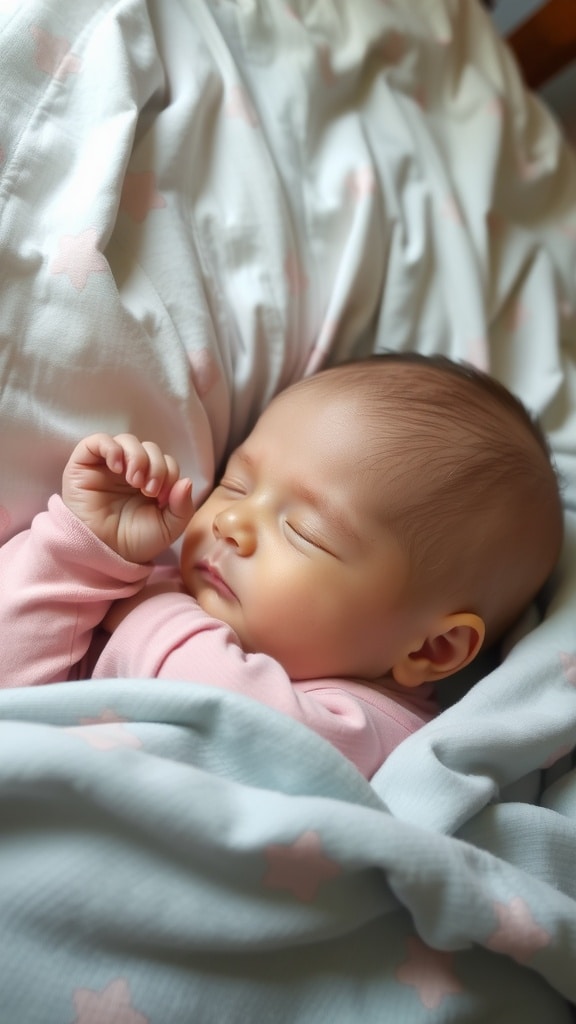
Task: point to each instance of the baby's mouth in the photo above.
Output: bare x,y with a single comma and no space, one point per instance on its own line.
212,575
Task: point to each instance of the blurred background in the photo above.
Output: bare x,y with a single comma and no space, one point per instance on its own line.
559,92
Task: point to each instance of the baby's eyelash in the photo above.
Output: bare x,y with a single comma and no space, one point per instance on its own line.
306,538
233,486
297,532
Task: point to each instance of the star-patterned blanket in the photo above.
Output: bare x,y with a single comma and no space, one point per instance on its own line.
201,201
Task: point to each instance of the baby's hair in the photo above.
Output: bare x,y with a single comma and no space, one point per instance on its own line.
469,485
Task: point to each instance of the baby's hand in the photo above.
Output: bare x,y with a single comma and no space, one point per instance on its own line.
129,493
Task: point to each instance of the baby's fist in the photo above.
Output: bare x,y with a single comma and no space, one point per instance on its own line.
129,493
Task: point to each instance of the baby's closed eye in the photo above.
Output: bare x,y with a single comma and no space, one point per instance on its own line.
304,535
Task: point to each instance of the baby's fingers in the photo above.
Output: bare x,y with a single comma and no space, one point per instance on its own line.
163,480
146,468
179,508
123,454
180,500
163,473
96,449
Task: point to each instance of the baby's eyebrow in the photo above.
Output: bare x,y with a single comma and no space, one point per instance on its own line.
332,513
241,456
316,499
240,453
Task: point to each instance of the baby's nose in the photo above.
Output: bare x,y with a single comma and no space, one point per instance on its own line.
235,526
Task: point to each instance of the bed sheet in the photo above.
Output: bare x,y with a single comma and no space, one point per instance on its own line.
200,202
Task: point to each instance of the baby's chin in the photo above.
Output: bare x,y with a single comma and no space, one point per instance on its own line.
219,608
215,606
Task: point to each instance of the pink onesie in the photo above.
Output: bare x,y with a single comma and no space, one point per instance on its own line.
57,581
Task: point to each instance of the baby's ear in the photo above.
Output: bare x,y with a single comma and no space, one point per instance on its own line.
453,644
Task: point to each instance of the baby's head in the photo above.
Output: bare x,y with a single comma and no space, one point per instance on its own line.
466,478
390,515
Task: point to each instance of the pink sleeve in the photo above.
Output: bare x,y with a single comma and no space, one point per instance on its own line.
169,636
57,581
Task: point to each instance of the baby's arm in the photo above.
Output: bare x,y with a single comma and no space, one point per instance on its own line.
168,636
122,503
129,493
57,581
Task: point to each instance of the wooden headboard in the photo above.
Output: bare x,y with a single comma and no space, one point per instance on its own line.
546,42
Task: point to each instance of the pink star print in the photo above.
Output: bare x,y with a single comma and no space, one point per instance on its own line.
517,933
295,276
205,372
429,971
322,346
239,106
451,210
494,223
361,182
443,37
394,47
495,106
112,1005
569,230
78,257
477,354
291,13
517,316
105,733
106,717
53,55
301,867
528,169
140,195
569,667
420,96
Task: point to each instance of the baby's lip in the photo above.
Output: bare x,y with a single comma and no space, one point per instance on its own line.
211,572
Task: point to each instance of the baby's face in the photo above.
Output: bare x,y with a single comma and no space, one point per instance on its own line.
290,549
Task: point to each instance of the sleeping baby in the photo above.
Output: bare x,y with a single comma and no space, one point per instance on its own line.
383,522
